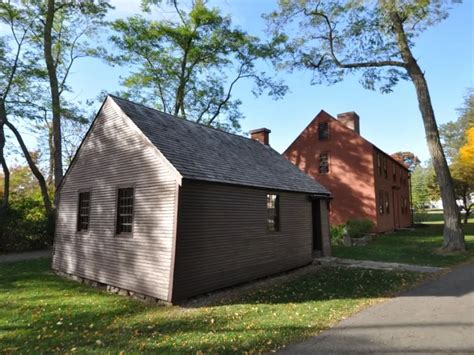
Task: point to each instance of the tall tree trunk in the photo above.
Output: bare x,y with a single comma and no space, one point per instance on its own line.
453,233
55,95
34,169
6,172
51,155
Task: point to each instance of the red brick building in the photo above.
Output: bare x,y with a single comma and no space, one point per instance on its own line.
364,181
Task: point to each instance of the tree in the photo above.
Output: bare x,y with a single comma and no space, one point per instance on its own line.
63,26
18,67
190,66
334,38
419,187
466,152
410,160
463,176
453,134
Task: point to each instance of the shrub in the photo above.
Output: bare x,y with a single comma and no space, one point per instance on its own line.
24,226
337,233
357,228
420,215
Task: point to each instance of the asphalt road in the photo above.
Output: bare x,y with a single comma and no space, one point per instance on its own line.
435,318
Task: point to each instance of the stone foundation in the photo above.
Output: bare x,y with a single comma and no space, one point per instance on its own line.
113,289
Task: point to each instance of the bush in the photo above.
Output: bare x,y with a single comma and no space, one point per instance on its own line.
357,228
24,226
420,215
337,234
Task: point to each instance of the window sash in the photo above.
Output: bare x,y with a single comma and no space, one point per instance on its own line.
83,211
324,163
273,212
381,203
125,210
323,131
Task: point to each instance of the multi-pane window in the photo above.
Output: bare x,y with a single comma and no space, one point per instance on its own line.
379,164
83,211
273,212
323,163
385,172
387,202
381,203
405,206
323,131
124,210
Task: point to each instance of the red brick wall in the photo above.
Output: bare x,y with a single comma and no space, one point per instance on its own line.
397,188
351,175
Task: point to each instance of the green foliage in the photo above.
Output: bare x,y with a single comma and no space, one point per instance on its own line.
453,133
44,313
419,183
463,178
24,225
337,233
357,228
335,38
189,66
419,247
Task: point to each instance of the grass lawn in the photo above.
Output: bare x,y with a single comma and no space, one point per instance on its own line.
40,312
420,247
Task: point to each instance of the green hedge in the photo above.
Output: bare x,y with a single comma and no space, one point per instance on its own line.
25,226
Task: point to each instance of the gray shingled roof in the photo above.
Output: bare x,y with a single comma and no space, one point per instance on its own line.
203,153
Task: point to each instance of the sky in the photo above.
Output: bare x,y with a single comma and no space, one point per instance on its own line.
391,121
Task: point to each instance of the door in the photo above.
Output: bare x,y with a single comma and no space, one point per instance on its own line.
396,208
317,235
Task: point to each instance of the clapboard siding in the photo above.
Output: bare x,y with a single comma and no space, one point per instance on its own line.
222,237
114,155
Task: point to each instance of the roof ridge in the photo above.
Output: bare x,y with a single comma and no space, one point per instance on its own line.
181,119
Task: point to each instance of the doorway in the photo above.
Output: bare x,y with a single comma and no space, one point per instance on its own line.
317,234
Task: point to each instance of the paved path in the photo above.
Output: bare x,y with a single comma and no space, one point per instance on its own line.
28,255
437,317
378,265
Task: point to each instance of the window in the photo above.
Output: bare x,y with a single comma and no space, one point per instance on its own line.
124,210
394,172
324,163
381,205
323,131
385,173
379,164
273,212
405,206
387,202
83,211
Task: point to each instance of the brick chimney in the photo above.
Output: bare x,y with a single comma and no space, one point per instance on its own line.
261,135
350,120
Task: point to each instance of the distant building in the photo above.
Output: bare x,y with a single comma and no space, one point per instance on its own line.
364,181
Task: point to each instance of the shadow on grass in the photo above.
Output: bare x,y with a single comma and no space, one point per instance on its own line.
41,312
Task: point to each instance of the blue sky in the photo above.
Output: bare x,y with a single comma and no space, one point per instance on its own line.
390,121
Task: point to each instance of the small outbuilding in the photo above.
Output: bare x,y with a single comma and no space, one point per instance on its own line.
163,207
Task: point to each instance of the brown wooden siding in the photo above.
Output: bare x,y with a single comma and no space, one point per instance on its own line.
116,155
222,237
